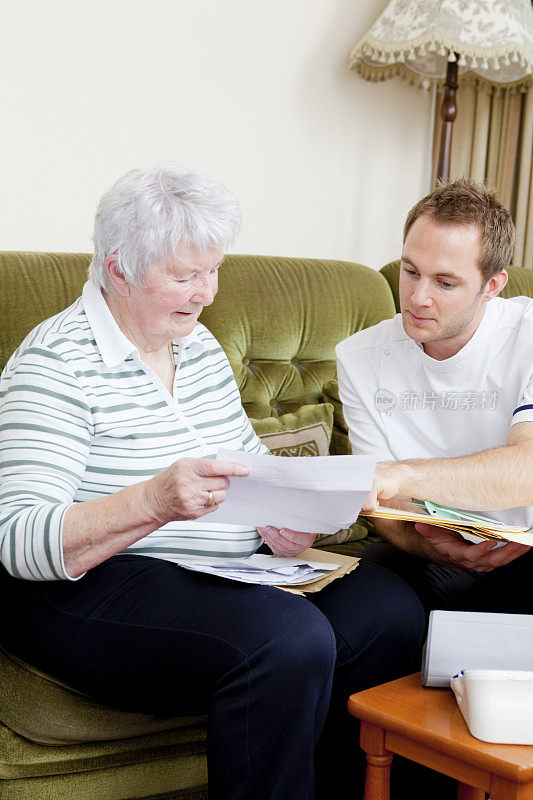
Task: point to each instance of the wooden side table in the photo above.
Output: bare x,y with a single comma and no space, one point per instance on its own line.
426,726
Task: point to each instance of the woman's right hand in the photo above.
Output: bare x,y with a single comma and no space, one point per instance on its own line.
182,490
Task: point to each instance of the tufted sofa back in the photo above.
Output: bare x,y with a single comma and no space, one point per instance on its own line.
33,287
278,319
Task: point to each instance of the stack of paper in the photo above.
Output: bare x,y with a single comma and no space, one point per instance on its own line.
463,522
259,568
311,571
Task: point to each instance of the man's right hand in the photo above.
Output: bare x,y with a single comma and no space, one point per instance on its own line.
449,548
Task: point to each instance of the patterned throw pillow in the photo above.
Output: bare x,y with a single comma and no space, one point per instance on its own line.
307,432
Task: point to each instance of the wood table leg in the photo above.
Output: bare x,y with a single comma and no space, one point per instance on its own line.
504,789
465,792
378,761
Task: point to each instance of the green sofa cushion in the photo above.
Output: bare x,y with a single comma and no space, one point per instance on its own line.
307,432
35,286
22,758
279,319
44,710
361,534
158,766
520,281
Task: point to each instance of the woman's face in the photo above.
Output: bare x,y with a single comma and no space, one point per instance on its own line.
168,306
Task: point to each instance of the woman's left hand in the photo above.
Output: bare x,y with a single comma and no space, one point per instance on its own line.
284,542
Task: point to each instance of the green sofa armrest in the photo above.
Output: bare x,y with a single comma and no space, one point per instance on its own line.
340,443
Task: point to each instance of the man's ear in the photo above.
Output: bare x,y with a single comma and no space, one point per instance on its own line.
116,277
495,285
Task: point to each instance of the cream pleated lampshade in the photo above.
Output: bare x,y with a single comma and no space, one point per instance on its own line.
493,40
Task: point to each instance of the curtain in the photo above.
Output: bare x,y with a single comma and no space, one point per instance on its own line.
492,142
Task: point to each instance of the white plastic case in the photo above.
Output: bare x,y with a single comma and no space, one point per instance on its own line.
497,704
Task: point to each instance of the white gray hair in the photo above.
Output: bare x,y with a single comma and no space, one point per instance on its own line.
149,214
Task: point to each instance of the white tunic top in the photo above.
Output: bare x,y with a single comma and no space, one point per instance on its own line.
400,403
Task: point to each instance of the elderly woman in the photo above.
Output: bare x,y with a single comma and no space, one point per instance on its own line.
112,414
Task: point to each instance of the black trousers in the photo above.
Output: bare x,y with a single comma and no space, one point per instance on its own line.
273,670
506,589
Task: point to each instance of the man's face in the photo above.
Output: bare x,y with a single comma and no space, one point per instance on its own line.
441,286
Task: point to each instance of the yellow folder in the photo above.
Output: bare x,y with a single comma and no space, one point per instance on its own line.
467,523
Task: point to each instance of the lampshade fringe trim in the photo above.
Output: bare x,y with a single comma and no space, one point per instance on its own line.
392,59
401,70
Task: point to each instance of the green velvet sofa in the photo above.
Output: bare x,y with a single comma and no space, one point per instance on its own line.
278,319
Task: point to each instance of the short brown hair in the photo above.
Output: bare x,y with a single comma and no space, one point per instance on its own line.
469,203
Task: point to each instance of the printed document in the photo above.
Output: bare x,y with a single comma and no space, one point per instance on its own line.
311,571
260,568
316,495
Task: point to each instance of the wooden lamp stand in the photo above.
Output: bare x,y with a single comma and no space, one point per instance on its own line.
448,113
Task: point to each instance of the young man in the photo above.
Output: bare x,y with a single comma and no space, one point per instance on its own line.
443,396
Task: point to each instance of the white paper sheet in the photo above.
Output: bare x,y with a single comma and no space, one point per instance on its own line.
319,495
258,568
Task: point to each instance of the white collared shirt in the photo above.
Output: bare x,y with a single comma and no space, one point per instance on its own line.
81,417
399,403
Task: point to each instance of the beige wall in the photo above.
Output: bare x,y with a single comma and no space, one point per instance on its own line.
257,93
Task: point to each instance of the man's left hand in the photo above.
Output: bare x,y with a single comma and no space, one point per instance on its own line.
451,548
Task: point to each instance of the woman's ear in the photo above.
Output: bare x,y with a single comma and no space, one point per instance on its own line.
116,277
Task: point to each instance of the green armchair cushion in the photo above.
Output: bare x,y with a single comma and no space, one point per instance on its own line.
167,766
43,709
307,432
279,319
35,286
56,744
